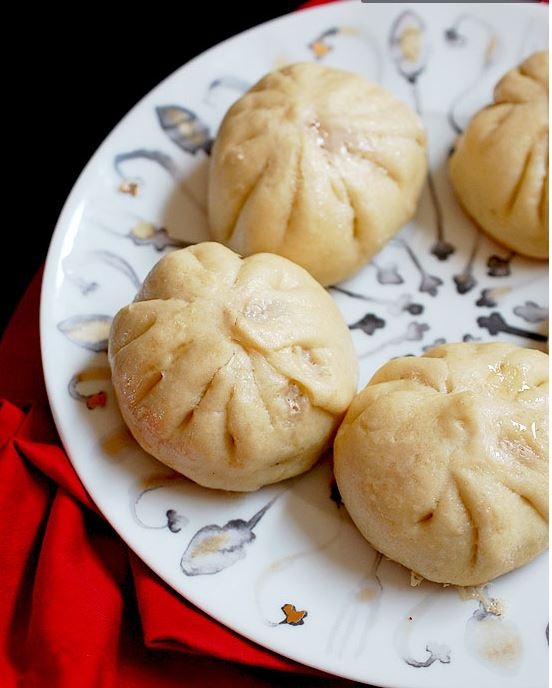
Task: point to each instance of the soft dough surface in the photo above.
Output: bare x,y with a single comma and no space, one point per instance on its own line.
234,372
442,461
316,164
499,169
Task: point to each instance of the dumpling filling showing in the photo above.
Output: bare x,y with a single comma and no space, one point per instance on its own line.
235,372
318,165
442,461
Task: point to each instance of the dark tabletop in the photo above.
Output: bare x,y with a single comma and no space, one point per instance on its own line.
69,79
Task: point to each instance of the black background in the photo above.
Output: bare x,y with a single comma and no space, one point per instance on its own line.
69,77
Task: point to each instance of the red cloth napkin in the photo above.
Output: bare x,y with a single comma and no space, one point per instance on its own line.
77,608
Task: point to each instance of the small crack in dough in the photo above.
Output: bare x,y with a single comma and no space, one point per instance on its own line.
257,367
443,465
324,112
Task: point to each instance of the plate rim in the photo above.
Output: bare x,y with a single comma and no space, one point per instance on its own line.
63,228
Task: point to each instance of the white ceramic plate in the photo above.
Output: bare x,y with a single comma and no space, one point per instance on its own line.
142,193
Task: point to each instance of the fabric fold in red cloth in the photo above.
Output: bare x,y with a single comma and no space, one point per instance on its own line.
77,608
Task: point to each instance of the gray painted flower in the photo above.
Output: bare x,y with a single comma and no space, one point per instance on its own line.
388,274
214,548
409,45
369,323
415,332
495,323
437,653
184,128
531,312
88,331
499,266
162,159
465,282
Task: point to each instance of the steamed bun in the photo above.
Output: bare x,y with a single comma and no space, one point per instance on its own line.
442,461
499,169
234,372
318,165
